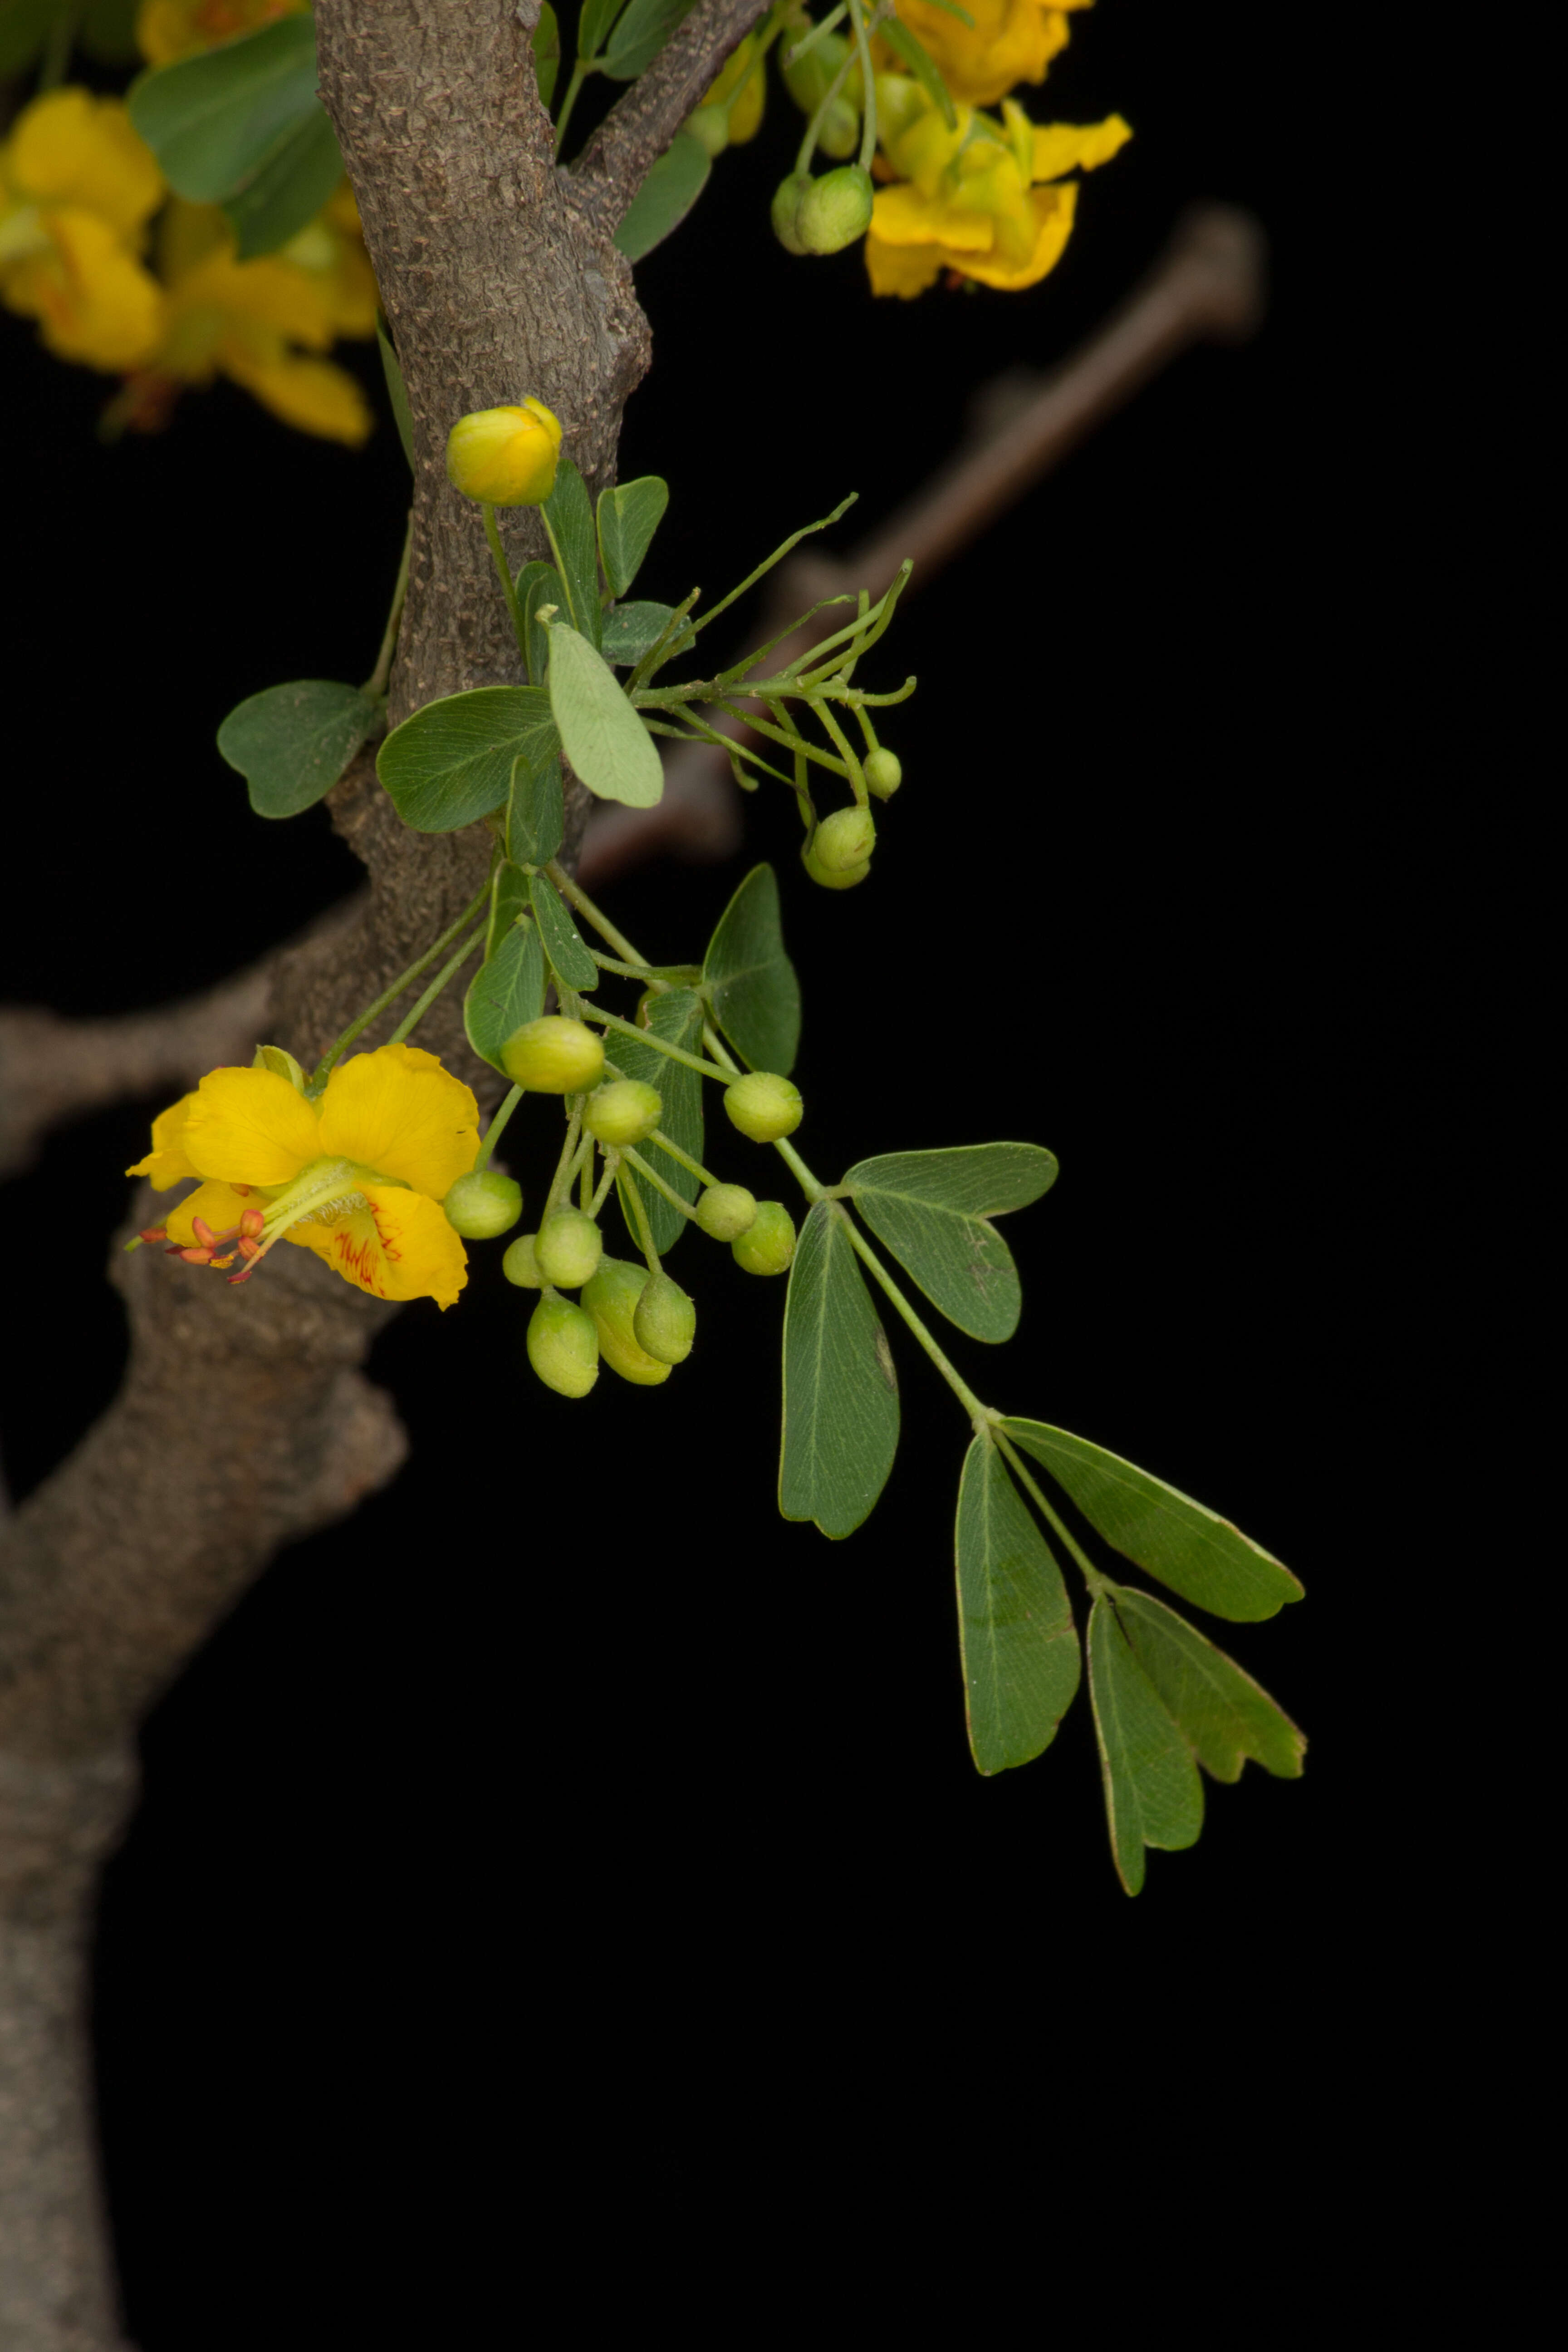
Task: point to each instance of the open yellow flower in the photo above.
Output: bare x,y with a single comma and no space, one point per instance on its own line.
167,29
985,199
358,1177
77,188
245,320
1010,41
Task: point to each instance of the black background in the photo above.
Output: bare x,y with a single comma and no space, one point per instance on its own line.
567,1781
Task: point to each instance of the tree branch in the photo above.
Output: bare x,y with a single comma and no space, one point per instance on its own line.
641,124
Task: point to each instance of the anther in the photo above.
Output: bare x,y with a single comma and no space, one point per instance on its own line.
155,1232
252,1221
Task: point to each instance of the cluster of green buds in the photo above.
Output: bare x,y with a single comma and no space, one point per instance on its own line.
830,76
637,1319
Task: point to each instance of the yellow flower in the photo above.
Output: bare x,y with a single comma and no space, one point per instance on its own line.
77,187
977,199
1010,41
358,1177
244,319
167,29
505,456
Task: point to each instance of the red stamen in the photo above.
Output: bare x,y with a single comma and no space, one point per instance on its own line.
155,1232
203,1232
195,1256
253,1222
249,1248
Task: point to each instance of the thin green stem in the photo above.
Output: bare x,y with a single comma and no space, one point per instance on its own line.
376,682
643,972
693,1167
448,973
813,128
805,47
978,1414
389,996
869,85
496,1130
1092,1576
778,554
584,905
566,1166
737,671
611,1162
635,1159
656,656
637,1215
660,1044
852,768
504,572
580,73
792,742
579,620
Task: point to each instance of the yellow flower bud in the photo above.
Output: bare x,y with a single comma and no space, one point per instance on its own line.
505,456
567,1249
763,1105
623,1113
564,1347
553,1055
611,1298
845,840
726,1210
666,1320
769,1244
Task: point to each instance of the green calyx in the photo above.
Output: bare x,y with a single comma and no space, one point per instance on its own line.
725,1212
883,771
767,1245
567,1249
563,1345
623,1113
785,210
845,840
763,1105
480,1207
520,1266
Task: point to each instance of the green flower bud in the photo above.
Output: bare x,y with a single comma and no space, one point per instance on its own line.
480,1207
835,210
825,875
564,1347
520,1266
567,1249
769,1246
884,773
553,1055
763,1105
505,456
839,132
845,840
709,126
785,206
726,1210
611,1298
623,1113
808,82
665,1323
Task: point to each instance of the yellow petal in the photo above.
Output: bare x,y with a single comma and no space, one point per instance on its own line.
1077,146
221,1206
311,394
1010,41
399,1246
903,269
251,1126
93,302
1053,209
71,148
168,1162
398,1111
902,216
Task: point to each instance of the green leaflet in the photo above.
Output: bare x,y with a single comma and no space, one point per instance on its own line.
631,629
678,1019
675,181
595,22
932,1209
451,763
840,1390
241,126
546,52
288,190
601,734
509,899
570,518
291,743
629,517
506,990
1221,1712
1153,1793
536,815
569,958
1015,1623
1192,1549
640,35
750,980
539,583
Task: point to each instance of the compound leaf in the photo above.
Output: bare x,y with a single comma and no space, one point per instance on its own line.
601,733
629,517
569,958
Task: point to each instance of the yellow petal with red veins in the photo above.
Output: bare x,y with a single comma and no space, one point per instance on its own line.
218,1205
168,1162
1053,209
1077,146
399,1246
398,1111
251,1126
902,216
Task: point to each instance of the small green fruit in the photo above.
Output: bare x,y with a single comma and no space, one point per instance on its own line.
763,1105
480,1207
709,126
845,840
835,210
726,1210
625,1112
665,1323
567,1249
519,1266
611,1298
769,1245
825,877
553,1055
564,1347
884,772
785,206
